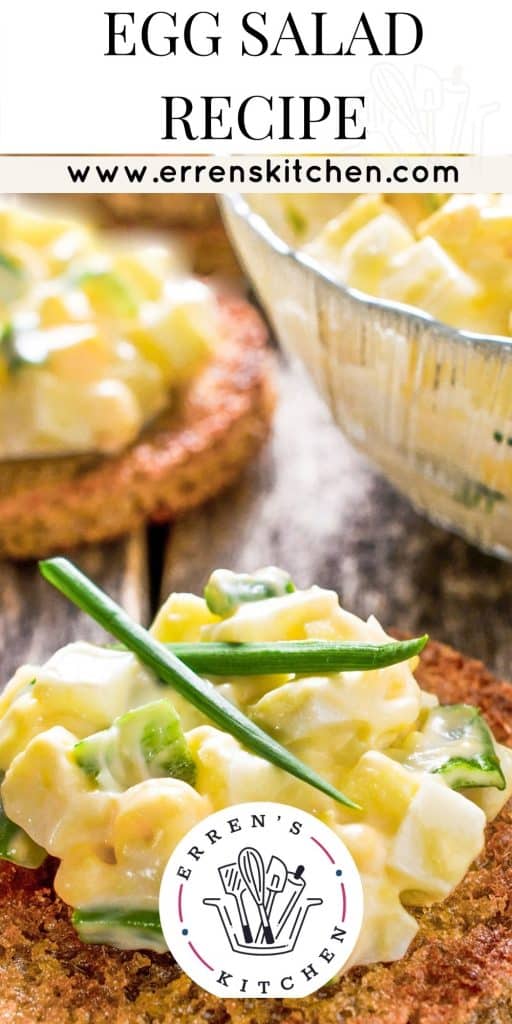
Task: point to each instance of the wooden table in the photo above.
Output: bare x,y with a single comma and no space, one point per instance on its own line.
312,505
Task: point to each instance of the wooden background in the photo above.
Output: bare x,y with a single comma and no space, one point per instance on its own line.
312,505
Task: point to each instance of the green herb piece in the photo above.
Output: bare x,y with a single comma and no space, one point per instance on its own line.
21,348
476,495
457,743
12,278
144,743
67,578
115,926
226,590
434,200
108,293
296,220
8,349
299,657
16,846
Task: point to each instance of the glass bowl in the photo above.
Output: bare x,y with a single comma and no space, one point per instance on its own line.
429,405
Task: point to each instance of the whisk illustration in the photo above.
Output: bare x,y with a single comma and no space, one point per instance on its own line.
264,907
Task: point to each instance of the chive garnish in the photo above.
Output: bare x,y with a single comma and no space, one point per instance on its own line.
80,590
295,656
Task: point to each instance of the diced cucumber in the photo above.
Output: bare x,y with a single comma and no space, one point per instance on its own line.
12,278
108,293
126,929
156,730
22,348
147,742
16,846
95,755
457,743
226,590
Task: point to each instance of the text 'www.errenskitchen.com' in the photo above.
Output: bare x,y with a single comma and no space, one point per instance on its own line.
265,174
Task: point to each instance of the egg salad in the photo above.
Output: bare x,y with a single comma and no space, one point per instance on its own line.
450,256
106,769
96,338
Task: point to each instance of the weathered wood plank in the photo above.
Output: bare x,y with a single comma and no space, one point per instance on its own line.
314,506
35,620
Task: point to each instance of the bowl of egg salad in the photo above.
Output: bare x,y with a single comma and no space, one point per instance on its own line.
399,306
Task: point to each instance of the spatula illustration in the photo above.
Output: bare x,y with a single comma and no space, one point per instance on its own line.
275,877
234,885
252,870
275,881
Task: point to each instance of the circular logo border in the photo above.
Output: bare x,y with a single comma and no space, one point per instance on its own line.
226,930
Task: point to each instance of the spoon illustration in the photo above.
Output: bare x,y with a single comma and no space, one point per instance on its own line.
252,870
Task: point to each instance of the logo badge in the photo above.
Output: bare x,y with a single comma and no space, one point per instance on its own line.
261,899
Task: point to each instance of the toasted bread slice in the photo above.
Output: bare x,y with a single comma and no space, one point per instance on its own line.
178,209
183,458
458,970
193,219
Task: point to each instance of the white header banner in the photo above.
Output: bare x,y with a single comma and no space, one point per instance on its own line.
85,76
154,174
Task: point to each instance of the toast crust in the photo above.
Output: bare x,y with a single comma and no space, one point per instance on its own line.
187,455
194,220
457,971
174,210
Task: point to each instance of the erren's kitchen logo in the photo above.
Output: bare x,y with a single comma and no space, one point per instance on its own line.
269,926
261,899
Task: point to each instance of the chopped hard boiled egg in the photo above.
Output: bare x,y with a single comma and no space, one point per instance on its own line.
427,852
226,773
276,618
107,769
97,683
364,257
94,338
447,255
424,275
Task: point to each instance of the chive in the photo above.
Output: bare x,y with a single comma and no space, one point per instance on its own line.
226,590
296,220
297,656
108,291
12,278
67,578
130,929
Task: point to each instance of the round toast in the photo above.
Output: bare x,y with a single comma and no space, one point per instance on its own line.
178,209
194,220
185,456
457,971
